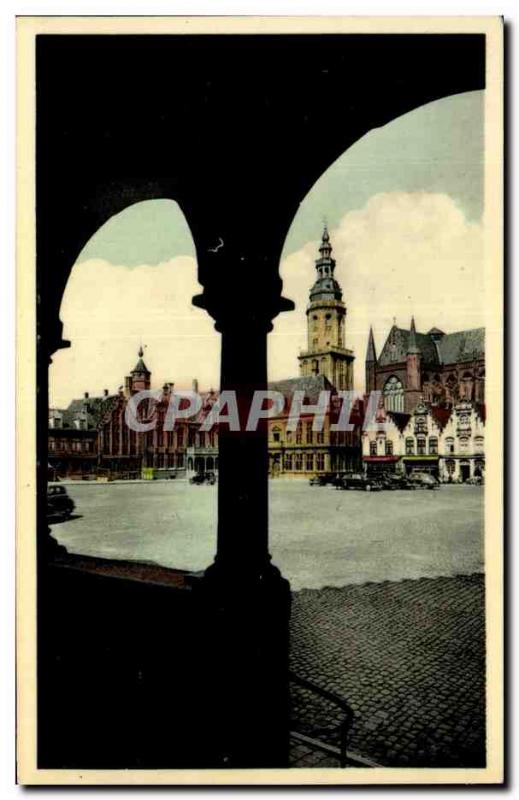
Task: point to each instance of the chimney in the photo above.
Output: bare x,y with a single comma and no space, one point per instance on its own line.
86,395
195,386
105,392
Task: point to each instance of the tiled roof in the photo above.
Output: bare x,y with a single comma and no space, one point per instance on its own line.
94,407
311,385
452,348
462,346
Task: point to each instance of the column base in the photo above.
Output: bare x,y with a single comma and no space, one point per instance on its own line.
245,621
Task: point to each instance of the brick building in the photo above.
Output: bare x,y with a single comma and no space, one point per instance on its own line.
442,368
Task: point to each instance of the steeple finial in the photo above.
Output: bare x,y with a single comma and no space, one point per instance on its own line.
141,352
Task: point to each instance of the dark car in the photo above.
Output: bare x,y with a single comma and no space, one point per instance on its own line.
59,504
360,481
392,482
423,480
203,477
326,479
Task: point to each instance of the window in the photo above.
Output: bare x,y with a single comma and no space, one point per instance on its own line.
409,446
449,444
288,462
393,394
299,433
180,460
299,462
433,446
464,444
389,447
309,433
320,437
420,445
276,434
309,462
320,461
479,444
180,437
52,444
373,448
169,438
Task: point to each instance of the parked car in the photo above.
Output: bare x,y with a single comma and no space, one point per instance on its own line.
203,477
359,481
423,480
326,479
59,504
394,481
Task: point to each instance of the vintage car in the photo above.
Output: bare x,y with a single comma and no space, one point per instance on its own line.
423,480
393,482
325,479
203,477
59,504
357,480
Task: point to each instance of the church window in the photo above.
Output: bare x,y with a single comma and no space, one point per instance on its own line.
393,394
409,446
433,446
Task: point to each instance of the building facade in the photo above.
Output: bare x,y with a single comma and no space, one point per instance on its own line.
442,368
447,442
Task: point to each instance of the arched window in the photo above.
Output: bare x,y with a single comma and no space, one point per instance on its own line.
393,394
479,444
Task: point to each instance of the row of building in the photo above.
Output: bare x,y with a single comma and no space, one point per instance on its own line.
431,414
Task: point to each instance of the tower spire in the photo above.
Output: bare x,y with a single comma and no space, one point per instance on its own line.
412,346
371,353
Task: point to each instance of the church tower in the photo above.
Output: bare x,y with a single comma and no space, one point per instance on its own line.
326,354
140,375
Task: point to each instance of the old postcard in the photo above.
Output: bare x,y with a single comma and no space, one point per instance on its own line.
260,346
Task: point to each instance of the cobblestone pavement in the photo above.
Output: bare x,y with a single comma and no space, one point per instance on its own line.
408,656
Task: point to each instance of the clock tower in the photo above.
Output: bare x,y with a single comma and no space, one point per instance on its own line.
326,353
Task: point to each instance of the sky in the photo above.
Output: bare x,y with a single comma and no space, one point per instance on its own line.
404,207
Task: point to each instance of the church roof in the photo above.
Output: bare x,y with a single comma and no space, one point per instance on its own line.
462,346
450,349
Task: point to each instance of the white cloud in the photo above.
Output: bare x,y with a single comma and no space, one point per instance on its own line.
108,310
402,254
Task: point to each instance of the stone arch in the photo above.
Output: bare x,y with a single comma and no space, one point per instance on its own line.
393,394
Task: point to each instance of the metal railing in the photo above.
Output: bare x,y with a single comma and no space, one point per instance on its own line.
345,757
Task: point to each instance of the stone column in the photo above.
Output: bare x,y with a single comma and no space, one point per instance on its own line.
244,600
